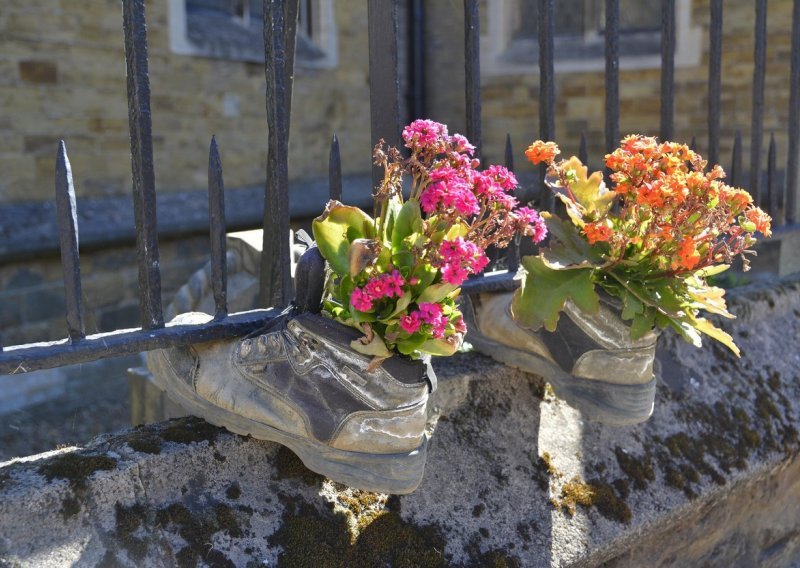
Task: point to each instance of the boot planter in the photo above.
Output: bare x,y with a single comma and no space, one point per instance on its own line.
628,261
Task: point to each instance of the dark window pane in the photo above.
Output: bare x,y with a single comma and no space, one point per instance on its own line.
582,17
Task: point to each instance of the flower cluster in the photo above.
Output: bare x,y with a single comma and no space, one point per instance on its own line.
376,288
665,225
396,276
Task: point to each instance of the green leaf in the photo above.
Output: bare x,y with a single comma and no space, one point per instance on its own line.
437,292
708,328
642,324
407,222
631,306
401,305
392,211
410,344
589,190
711,270
336,228
376,347
544,292
443,347
458,230
568,247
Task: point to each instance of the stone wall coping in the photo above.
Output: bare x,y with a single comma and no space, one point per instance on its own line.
515,477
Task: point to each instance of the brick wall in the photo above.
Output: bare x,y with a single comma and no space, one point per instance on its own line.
510,101
62,75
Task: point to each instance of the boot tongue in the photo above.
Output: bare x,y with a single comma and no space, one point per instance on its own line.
309,280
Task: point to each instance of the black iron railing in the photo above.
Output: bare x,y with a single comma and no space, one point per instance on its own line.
280,20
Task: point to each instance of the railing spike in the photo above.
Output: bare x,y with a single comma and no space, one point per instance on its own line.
583,149
714,80
759,74
144,190
612,74
512,253
547,93
472,73
335,170
67,213
736,160
216,216
276,278
667,69
793,159
774,189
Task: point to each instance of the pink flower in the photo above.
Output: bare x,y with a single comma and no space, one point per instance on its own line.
460,326
425,134
430,312
360,300
462,145
376,288
532,224
502,176
410,323
479,262
454,274
430,198
395,283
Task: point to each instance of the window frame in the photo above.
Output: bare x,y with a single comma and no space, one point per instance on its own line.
498,45
323,27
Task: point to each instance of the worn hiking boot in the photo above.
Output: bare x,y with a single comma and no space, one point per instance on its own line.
589,360
297,382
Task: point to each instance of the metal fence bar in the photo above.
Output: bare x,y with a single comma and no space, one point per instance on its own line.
472,73
667,69
736,160
216,217
384,83
67,214
547,91
714,80
583,149
773,191
512,253
612,74
759,74
276,278
793,159
335,170
144,190
416,17
36,356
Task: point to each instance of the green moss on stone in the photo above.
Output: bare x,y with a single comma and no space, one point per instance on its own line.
197,529
321,539
190,430
593,493
70,507
128,521
639,469
289,466
145,442
233,491
76,467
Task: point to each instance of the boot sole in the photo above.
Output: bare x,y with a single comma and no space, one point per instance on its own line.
399,473
599,401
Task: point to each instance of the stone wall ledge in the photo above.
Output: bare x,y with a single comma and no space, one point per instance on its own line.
515,477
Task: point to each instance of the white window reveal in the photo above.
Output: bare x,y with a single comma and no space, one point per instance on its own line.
233,29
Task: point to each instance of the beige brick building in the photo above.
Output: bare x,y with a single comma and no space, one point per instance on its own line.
62,75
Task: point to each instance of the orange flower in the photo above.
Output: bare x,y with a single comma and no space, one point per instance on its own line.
688,257
540,151
597,232
650,194
761,220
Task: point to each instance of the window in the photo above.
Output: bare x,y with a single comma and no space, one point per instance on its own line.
233,29
579,35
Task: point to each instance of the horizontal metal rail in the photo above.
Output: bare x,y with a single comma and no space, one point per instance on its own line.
36,356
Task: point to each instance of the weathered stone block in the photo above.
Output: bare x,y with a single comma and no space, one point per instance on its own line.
40,72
